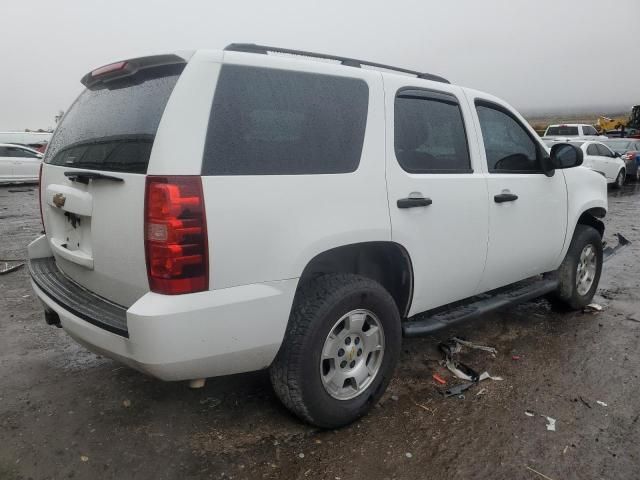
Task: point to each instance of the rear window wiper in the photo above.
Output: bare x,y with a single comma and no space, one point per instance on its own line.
84,177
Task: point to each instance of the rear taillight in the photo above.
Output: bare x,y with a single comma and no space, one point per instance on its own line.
40,196
175,230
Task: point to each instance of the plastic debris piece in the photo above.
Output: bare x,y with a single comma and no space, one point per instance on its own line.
529,413
469,344
601,403
515,357
551,423
408,455
584,402
462,371
592,308
485,375
126,403
8,269
439,379
458,389
450,348
84,458
482,391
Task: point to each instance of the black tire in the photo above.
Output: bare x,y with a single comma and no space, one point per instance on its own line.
567,294
620,179
295,373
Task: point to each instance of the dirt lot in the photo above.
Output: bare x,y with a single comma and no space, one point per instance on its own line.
66,413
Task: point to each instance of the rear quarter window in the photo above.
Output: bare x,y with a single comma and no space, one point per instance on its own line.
278,122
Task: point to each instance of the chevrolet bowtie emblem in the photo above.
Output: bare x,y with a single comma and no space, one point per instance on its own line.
59,199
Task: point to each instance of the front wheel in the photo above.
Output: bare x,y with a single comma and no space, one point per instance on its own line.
340,349
619,182
580,271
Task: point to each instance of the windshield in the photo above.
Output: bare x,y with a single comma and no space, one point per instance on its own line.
562,131
113,129
619,146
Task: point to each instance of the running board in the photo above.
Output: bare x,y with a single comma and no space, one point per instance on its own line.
428,322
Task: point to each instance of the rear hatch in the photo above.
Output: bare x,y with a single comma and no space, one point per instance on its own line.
93,180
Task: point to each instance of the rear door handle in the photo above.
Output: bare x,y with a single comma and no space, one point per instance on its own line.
412,202
505,197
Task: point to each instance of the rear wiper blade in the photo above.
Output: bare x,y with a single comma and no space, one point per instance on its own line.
84,177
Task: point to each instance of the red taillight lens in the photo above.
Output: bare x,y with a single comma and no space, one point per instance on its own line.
40,196
175,232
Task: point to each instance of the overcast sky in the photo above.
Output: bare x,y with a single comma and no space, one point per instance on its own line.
536,54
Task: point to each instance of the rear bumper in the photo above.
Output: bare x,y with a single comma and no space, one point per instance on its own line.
182,337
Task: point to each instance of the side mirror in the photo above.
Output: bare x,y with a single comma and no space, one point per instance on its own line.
565,155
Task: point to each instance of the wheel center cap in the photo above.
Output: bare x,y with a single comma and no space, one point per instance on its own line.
351,353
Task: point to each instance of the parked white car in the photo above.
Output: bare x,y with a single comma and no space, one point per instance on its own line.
600,158
571,131
18,164
317,212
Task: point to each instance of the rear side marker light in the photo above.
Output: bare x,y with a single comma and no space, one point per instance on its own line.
176,245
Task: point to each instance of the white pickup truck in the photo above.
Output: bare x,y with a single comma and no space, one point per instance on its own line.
219,212
568,132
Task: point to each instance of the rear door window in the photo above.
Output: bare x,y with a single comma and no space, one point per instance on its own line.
593,150
279,122
113,128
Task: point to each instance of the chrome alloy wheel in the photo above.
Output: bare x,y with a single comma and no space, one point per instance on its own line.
586,271
352,354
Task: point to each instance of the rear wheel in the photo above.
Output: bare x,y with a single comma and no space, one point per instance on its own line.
619,183
340,349
580,271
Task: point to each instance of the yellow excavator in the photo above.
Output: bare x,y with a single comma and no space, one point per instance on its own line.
631,124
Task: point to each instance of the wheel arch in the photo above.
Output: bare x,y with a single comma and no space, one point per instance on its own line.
386,262
591,217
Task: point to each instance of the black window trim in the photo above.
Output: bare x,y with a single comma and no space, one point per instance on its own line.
419,93
541,152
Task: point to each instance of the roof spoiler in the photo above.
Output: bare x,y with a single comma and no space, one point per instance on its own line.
128,68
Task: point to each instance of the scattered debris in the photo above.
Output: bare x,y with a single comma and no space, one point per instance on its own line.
408,455
587,404
9,269
592,308
84,458
482,391
529,413
515,357
439,379
458,389
211,402
565,449
126,403
301,455
633,318
469,344
485,375
394,398
461,371
551,423
538,473
601,403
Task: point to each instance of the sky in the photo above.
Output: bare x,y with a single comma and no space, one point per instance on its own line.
540,56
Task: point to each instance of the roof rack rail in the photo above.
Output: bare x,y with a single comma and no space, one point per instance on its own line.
350,62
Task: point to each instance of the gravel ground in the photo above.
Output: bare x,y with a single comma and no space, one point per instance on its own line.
67,413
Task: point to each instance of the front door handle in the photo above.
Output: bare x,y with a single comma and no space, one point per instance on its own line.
412,202
505,197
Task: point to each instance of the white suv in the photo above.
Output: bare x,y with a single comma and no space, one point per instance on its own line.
226,211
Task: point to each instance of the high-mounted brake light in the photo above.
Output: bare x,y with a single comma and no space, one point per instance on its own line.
175,230
112,67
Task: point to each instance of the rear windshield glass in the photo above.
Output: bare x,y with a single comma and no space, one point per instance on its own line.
278,122
113,129
564,131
